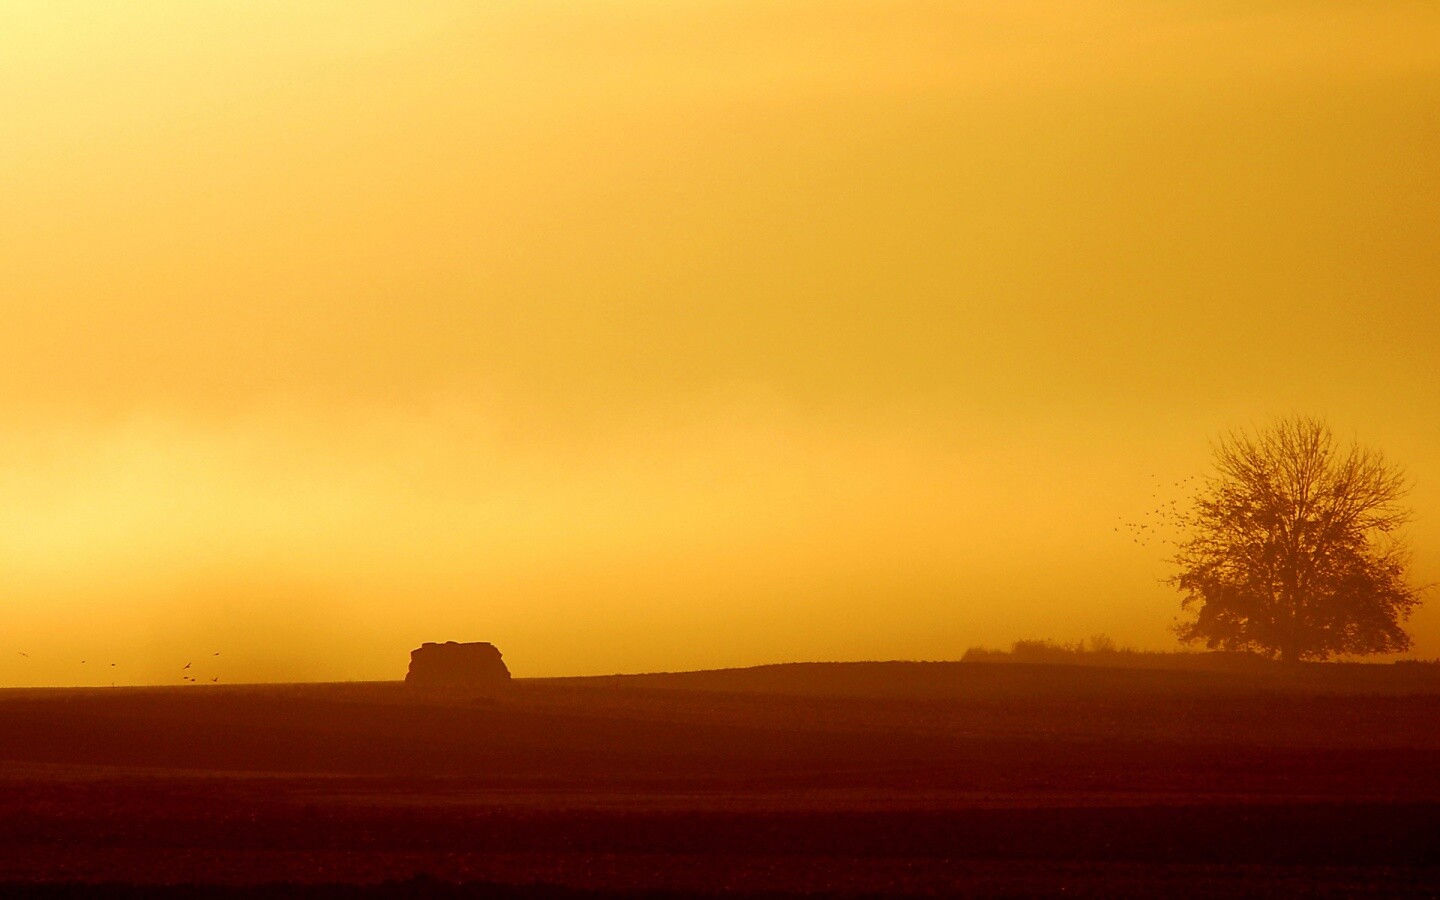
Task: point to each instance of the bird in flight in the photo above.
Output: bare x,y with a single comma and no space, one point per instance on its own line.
187,665
23,653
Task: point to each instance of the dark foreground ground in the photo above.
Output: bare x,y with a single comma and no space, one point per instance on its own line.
861,780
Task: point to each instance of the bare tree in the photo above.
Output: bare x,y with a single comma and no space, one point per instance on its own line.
1293,548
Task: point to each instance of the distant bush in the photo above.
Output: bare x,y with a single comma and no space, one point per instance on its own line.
1102,650
1052,651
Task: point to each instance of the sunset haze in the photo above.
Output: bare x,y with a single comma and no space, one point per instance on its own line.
633,335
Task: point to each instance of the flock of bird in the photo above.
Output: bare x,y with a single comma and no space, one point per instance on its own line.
1163,522
185,670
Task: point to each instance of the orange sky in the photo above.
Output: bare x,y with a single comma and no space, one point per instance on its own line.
637,335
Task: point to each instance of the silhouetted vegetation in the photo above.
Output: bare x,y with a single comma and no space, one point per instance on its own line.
1293,548
1099,645
1101,650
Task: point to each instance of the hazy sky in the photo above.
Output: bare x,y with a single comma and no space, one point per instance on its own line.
658,334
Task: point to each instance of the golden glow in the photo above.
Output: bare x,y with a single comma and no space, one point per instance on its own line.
633,335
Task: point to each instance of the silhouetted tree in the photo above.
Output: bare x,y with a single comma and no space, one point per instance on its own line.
1292,548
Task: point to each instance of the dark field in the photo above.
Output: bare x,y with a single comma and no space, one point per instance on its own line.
845,780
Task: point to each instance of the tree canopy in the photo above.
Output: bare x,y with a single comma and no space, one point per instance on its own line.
1293,548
